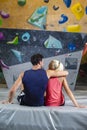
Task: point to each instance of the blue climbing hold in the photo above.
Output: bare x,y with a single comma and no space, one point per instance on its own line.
86,9
64,19
17,54
41,10
26,37
67,3
71,46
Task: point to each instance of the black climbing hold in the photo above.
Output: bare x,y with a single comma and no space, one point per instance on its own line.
46,1
55,7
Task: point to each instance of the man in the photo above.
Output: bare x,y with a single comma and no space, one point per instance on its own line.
34,82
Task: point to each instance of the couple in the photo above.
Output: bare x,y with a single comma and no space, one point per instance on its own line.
36,81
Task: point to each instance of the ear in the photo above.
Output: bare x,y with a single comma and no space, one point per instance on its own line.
39,63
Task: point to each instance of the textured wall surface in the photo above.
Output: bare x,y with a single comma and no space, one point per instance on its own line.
19,15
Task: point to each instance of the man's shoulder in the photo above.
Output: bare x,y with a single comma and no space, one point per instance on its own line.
27,70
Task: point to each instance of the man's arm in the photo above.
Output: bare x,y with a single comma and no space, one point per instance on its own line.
13,89
56,73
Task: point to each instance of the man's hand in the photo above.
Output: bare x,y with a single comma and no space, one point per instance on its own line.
6,102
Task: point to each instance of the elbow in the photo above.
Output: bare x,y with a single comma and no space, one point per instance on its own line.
12,91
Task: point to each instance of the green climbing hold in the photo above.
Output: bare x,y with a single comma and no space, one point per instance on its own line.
21,2
14,41
0,22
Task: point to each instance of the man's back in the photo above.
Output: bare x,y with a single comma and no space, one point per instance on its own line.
35,82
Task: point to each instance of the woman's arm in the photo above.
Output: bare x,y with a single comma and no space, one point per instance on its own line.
69,93
13,89
56,73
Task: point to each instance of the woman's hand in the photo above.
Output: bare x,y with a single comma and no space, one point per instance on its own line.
82,106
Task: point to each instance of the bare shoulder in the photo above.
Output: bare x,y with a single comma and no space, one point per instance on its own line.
61,79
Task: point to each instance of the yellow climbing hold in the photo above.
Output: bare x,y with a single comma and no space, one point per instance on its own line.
78,10
73,28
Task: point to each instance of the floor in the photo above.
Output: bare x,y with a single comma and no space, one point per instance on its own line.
15,117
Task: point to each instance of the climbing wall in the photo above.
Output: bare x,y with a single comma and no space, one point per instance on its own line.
62,15
55,28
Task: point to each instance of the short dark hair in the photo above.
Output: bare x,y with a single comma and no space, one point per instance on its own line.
36,58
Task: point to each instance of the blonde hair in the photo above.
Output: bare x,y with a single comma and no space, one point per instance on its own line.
56,65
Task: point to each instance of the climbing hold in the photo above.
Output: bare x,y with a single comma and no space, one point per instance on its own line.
73,28
3,65
18,54
25,36
38,18
71,46
34,39
57,52
67,3
1,36
86,9
46,1
41,10
71,83
21,2
0,22
4,14
55,7
52,42
64,19
78,10
14,41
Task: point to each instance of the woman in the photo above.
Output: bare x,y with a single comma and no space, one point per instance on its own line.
54,95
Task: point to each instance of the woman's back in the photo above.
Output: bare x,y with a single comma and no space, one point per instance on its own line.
54,95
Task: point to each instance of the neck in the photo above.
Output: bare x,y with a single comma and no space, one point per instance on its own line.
36,67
